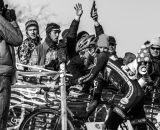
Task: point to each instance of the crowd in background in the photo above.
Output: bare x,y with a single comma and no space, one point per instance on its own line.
77,50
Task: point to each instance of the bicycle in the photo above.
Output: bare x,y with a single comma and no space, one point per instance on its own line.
128,123
50,118
32,118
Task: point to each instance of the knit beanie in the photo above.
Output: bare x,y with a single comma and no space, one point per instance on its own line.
31,23
65,33
52,26
155,42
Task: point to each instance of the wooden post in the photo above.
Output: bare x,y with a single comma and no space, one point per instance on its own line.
63,97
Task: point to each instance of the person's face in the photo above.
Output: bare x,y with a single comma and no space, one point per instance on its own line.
32,32
54,35
155,51
86,55
112,48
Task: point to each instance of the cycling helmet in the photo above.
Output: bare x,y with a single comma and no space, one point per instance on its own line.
103,41
155,42
86,42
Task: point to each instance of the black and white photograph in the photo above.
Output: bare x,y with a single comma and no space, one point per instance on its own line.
79,65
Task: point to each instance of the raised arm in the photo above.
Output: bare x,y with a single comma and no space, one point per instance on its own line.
10,31
75,23
94,15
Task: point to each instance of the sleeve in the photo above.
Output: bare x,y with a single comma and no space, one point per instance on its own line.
73,29
71,39
99,30
22,53
99,63
10,32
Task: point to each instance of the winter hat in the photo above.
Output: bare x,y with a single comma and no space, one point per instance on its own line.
111,40
103,41
155,42
52,26
65,33
80,34
31,23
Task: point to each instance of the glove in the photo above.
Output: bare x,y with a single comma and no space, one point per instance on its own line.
10,15
94,15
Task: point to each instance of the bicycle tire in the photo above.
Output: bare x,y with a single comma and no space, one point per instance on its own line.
149,124
49,119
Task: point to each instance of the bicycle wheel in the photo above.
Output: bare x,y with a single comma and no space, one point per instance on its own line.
149,124
44,119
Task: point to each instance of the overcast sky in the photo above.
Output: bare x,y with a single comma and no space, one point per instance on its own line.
131,22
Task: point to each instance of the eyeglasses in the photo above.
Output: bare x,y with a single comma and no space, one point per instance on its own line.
82,52
154,48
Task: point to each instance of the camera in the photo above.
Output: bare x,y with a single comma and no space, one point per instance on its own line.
8,14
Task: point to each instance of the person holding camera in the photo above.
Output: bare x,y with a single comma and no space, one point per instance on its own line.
10,37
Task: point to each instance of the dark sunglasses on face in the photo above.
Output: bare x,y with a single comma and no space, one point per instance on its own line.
82,52
154,48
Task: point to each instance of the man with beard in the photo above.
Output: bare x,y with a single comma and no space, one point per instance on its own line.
46,54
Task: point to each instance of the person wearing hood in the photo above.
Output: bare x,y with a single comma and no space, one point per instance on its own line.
30,43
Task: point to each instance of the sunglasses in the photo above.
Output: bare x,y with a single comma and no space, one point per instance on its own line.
82,52
154,48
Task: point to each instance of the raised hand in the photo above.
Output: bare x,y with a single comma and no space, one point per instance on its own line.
79,10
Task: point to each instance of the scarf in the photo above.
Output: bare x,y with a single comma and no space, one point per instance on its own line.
51,43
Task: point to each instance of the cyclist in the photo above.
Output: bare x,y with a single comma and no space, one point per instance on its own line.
98,89
133,94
